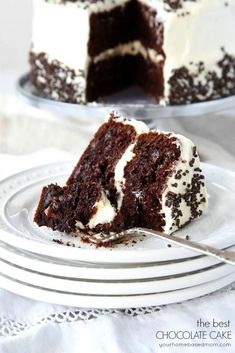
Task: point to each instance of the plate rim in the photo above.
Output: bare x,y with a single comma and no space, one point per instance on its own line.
118,302
29,262
113,287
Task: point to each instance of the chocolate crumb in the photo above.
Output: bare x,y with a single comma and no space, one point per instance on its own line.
58,241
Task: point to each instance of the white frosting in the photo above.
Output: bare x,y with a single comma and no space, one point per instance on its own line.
93,7
196,33
105,212
139,126
62,32
186,147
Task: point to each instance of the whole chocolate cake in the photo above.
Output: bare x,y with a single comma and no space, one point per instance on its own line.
128,176
179,51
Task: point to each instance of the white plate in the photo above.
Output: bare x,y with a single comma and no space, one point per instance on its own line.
20,193
95,301
131,101
127,287
85,270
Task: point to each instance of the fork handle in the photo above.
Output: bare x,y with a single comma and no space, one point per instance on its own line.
223,255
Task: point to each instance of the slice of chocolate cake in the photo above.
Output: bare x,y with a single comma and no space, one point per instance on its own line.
129,176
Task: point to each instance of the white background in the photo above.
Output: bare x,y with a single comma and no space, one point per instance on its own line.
15,37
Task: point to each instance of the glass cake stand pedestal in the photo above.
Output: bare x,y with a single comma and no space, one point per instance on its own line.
132,103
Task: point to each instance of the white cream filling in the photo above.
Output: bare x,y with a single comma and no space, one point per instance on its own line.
131,48
119,173
119,179
105,212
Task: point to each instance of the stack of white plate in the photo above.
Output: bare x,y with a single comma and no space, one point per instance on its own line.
140,271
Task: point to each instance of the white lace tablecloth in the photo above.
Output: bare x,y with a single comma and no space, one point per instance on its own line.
31,326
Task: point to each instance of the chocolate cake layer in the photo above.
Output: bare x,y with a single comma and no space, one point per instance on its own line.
125,24
150,29
101,156
146,176
109,76
61,208
150,78
111,28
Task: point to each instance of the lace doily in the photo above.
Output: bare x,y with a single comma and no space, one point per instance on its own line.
9,327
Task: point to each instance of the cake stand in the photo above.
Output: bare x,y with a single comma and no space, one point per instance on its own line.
131,102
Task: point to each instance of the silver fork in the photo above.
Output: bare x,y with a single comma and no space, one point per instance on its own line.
223,255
